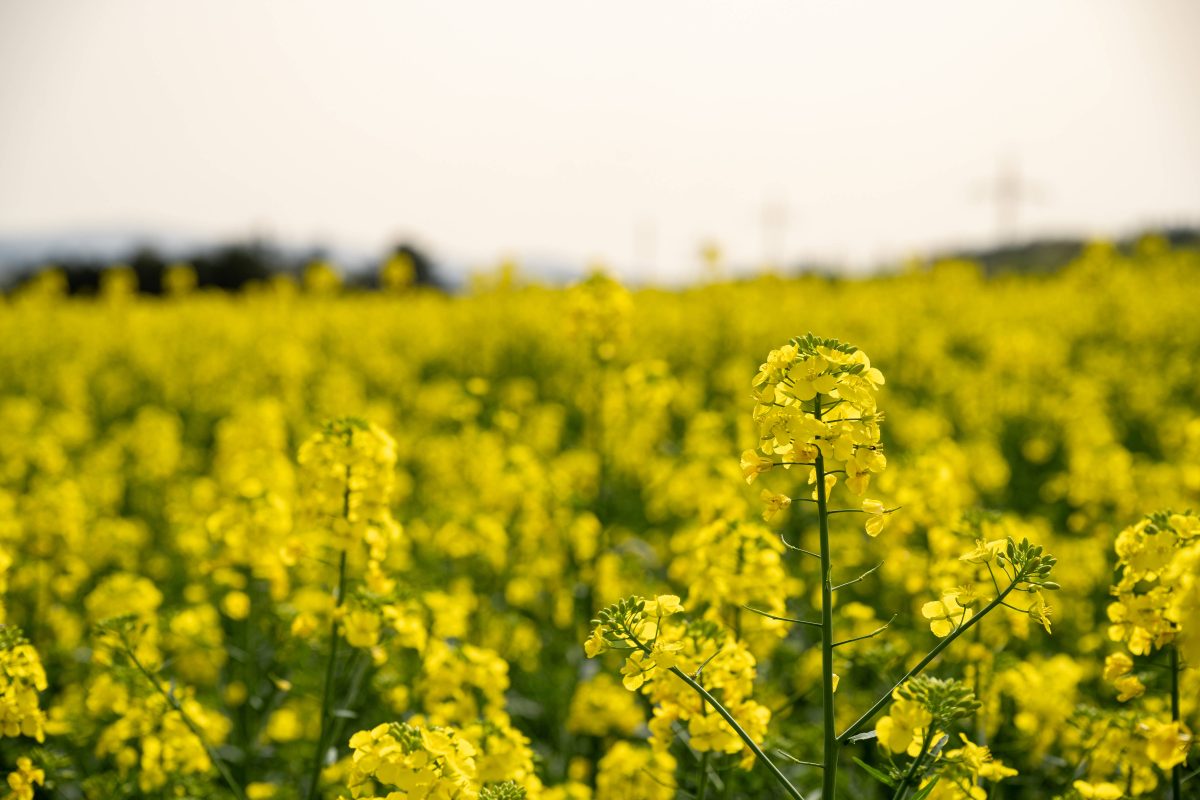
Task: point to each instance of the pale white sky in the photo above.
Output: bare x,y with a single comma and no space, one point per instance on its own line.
568,131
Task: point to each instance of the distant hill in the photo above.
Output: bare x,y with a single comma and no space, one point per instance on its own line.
1048,255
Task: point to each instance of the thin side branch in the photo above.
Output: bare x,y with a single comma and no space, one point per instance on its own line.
859,578
782,619
861,511
795,760
707,661
875,632
791,546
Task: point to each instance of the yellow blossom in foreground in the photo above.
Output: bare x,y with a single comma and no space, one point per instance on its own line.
902,730
945,615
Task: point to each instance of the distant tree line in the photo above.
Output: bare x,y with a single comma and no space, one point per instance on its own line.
229,267
234,267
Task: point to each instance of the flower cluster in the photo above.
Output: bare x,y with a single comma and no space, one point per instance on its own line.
249,529
147,735
635,625
732,565
1026,569
962,771
602,707
21,678
1157,602
399,761
923,708
817,397
1158,591
346,479
918,724
597,315
703,649
1125,750
727,669
628,770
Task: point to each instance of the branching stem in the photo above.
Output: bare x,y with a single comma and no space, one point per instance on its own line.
187,720
792,791
924,662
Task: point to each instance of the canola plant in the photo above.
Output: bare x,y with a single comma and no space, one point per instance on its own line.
595,543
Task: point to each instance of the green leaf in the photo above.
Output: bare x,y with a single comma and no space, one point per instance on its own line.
876,774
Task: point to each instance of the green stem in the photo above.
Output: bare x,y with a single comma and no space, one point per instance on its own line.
745,737
902,789
243,667
702,792
327,694
187,720
358,675
830,754
1177,770
980,724
924,662
331,665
